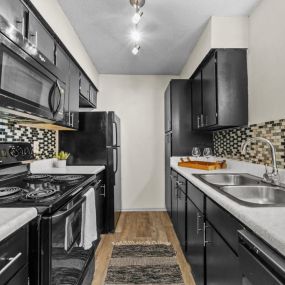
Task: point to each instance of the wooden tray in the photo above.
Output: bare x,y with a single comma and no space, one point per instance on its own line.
203,165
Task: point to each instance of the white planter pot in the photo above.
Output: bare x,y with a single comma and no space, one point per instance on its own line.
60,163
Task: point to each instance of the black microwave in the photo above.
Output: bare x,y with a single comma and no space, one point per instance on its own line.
28,87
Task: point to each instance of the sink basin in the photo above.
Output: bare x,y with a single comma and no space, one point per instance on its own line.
256,194
224,179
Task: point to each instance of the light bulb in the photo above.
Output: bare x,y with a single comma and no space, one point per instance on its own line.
137,17
136,49
136,36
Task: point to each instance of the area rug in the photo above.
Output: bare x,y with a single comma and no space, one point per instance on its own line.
145,263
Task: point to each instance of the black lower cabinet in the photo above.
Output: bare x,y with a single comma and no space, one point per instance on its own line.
222,264
20,278
181,217
174,210
195,242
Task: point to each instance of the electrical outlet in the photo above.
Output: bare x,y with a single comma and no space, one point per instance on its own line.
36,147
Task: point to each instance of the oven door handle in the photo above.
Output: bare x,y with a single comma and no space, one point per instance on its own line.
67,212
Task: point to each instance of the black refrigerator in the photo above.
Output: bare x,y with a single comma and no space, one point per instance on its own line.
179,136
97,142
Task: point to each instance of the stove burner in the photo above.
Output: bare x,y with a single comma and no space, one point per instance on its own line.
38,178
40,194
67,178
8,191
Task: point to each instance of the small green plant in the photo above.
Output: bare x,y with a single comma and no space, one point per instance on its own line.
62,155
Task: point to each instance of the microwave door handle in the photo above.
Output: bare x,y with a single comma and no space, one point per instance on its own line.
69,211
60,98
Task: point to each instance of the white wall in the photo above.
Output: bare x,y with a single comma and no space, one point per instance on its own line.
54,15
266,62
221,32
139,102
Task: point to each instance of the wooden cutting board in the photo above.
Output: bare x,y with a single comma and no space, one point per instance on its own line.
203,165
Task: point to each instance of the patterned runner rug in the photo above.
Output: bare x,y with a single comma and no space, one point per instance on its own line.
147,263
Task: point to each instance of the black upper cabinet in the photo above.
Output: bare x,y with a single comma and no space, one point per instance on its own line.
167,110
84,86
209,116
221,100
74,95
196,90
41,39
13,11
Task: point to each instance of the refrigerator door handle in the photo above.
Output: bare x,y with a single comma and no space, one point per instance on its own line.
116,132
117,160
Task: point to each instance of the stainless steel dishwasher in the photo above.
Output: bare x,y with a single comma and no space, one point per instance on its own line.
260,265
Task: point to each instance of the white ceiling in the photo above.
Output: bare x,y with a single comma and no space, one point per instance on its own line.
170,30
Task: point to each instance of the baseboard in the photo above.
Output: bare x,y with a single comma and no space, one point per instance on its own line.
145,210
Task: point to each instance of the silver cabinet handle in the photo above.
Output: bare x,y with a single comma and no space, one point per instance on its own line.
202,120
34,36
72,118
198,122
12,260
104,191
198,223
205,240
20,25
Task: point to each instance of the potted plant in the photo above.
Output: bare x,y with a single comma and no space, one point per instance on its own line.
61,157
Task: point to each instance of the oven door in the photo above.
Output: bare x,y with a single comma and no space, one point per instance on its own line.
63,259
27,87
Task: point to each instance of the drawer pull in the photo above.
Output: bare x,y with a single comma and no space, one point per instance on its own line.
198,223
12,260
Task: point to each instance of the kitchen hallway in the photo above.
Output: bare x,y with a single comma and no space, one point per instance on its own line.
140,227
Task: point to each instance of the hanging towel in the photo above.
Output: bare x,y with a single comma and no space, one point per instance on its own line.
89,223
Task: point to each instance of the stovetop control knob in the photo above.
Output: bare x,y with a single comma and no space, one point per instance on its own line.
13,152
27,151
20,150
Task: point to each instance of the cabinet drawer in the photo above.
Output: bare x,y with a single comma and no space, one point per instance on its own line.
196,196
224,223
13,254
182,183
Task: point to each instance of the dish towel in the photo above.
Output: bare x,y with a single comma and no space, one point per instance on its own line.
89,223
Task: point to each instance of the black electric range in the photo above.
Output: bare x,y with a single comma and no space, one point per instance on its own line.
46,192
56,253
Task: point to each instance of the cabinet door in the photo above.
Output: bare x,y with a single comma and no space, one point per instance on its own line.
167,109
168,173
174,199
40,37
84,86
93,96
74,94
181,217
13,12
209,85
195,242
196,94
62,62
222,265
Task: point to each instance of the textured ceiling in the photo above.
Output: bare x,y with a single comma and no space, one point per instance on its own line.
170,30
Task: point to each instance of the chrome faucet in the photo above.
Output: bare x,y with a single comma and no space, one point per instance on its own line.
272,177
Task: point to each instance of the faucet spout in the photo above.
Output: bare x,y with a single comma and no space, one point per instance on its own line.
272,177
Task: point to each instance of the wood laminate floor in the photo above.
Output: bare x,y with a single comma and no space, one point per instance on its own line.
140,226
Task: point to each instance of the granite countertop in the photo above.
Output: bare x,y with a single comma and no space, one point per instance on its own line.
46,166
11,219
267,222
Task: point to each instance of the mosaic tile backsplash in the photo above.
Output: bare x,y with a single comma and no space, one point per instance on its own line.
9,131
227,143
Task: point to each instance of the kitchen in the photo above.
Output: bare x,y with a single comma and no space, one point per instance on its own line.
109,126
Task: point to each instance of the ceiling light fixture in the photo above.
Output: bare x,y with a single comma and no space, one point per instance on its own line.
137,17
136,49
135,34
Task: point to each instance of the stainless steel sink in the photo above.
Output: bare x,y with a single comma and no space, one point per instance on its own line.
257,194
224,179
246,189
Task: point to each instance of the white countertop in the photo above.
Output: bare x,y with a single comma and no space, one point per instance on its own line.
11,219
46,166
266,222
